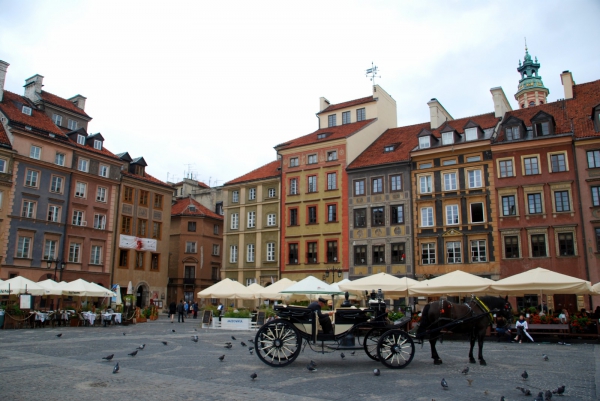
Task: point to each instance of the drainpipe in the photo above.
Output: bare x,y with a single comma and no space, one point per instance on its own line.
115,230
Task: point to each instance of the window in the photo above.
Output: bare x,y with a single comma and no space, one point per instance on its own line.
57,119
97,144
312,214
251,219
332,251
425,165
511,247
447,138
270,252
83,165
143,198
389,148
531,165
378,254
425,184
424,142
31,178
293,217
471,134
101,194
123,257
312,183
216,229
156,230
271,192
312,159
506,168
271,220
74,253
398,253
453,254
235,221
471,159
23,247
558,162
360,218
538,245
72,125
475,179
561,201
233,254
359,187
451,215
139,170
512,133
346,117
566,244
128,195
293,162
449,162
190,247
81,139
332,155
54,213
219,208
77,219
293,254
35,152
154,261
477,215
250,253
397,212
427,217
395,183
293,186
126,225
428,254
56,184
311,252
595,196
360,255
450,182
141,227
191,226
331,213
139,260
331,181
235,197
361,114
478,251
215,250
96,255
377,186
252,194
2,166
593,158
28,210
99,221
542,129
535,203
59,159
80,189
50,249
597,233
158,201
508,206
377,216
331,120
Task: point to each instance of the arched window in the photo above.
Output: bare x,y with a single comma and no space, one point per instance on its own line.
531,104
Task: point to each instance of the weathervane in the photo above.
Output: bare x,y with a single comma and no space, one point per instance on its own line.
373,71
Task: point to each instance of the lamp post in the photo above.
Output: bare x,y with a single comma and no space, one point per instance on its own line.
333,271
57,264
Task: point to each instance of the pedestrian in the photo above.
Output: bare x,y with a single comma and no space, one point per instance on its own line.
180,312
185,308
196,310
190,308
172,310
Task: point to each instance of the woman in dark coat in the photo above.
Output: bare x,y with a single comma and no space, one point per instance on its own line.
172,310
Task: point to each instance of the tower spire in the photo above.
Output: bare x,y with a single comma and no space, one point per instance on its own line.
532,91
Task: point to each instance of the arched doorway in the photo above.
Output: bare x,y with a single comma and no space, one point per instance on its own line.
141,294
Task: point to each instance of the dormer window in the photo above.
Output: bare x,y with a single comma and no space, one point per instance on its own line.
323,135
139,170
97,144
192,208
543,124
26,110
361,114
512,133
57,119
331,122
471,134
424,142
346,117
447,138
80,139
389,148
542,129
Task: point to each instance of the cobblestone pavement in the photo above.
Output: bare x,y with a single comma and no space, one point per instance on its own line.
35,364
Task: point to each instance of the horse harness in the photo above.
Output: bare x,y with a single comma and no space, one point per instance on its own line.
446,315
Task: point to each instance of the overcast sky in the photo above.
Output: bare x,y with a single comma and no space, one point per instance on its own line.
212,86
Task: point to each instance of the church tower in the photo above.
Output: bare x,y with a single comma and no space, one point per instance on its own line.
532,91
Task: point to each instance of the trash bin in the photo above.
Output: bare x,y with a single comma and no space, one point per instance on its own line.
1,318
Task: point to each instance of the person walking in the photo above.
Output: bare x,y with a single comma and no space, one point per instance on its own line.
196,310
186,307
180,312
172,310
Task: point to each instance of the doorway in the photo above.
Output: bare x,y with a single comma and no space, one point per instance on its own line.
565,301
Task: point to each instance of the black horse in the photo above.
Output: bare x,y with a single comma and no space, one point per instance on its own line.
471,318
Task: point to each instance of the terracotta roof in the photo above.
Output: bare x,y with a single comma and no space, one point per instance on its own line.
12,106
4,141
64,103
404,139
585,97
147,177
337,132
181,208
267,171
91,148
350,103
555,109
485,121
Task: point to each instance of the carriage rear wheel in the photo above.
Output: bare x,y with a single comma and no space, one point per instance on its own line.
395,349
277,343
371,340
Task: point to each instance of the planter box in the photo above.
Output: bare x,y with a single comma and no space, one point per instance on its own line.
141,319
235,323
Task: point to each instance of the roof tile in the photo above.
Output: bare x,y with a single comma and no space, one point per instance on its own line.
267,171
337,132
147,177
12,105
64,103
4,141
181,208
349,103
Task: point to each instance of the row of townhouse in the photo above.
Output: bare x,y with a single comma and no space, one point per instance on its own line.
493,194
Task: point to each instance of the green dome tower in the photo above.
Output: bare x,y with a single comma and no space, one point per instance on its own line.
532,91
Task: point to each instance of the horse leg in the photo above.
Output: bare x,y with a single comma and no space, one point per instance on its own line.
472,340
480,344
434,354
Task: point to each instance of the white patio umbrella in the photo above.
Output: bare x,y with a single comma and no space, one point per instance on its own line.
272,291
453,283
21,285
596,289
130,289
118,300
51,287
82,288
256,289
542,280
228,289
391,286
311,285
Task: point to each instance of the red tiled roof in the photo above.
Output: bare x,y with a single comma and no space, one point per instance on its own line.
349,103
404,140
555,109
267,171
103,151
337,132
147,177
485,121
181,208
4,137
12,105
64,103
585,97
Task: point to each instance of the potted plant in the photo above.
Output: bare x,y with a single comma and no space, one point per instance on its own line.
395,316
236,320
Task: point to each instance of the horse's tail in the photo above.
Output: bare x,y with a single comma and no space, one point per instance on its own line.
424,322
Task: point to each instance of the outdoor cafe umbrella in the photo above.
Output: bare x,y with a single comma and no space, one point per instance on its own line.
21,285
228,289
51,287
272,291
453,283
311,285
596,289
82,288
542,280
390,285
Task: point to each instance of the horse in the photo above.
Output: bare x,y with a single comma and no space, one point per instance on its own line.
472,318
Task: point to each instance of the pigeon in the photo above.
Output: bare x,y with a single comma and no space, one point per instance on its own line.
233,338
485,392
251,340
134,353
59,335
540,397
195,339
545,357
547,395
342,355
228,346
116,368
444,384
251,353
525,391
313,363
376,372
250,349
311,368
142,346
353,353
465,371
124,334
164,342
228,342
502,398
173,330
524,375
253,376
221,358
243,344
470,381
109,357
559,391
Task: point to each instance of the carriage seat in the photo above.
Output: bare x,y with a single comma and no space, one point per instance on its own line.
301,314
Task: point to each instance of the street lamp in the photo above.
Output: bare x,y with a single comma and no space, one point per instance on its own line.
57,264
332,270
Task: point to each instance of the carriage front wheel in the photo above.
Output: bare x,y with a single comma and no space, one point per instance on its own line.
277,343
395,349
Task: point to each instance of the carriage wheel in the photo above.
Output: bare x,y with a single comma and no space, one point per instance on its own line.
395,349
277,343
371,340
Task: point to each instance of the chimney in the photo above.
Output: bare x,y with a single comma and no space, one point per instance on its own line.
323,103
501,105
438,113
78,101
567,80
3,67
33,87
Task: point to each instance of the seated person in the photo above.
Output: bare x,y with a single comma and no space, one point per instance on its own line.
324,319
502,329
564,316
521,327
